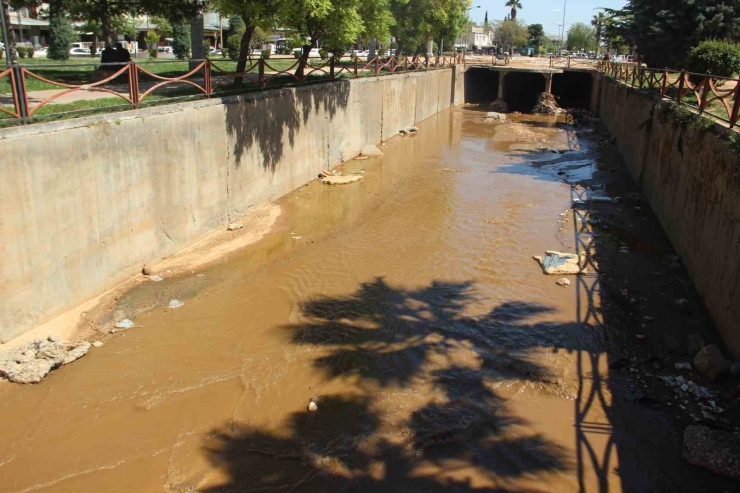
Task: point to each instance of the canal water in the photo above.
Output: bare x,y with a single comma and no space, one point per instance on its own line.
407,306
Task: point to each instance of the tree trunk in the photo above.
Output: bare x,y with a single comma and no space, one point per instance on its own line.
241,64
20,25
105,25
10,50
304,60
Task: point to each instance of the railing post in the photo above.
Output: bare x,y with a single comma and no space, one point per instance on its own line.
207,77
355,66
680,86
704,90
20,89
665,81
133,83
735,105
377,67
261,72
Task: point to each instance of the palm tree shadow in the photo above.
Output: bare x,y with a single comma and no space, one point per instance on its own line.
391,337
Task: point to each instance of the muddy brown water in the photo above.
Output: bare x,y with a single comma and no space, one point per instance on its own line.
407,305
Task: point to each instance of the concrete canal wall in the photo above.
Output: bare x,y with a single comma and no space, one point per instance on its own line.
85,203
692,180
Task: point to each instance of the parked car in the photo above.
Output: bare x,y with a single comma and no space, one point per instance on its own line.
79,52
165,49
41,52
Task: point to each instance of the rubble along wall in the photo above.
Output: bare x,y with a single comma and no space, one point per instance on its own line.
692,181
85,203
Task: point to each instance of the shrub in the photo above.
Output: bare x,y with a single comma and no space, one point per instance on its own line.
266,54
323,54
61,34
234,45
2,53
30,51
715,58
224,52
21,50
152,43
181,40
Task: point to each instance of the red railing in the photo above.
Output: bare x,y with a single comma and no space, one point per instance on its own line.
571,62
711,94
132,83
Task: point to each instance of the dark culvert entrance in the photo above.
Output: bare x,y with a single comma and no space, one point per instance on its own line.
521,90
573,89
481,85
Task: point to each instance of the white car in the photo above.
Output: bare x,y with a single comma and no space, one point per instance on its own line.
41,52
79,52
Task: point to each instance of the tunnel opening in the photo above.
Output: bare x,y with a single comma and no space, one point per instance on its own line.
481,85
521,90
573,89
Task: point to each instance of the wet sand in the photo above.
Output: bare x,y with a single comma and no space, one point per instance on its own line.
407,305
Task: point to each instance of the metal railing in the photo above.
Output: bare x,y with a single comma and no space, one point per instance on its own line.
133,84
570,62
711,94
493,60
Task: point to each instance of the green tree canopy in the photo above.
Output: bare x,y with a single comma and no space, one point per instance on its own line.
536,35
61,33
514,4
513,33
663,31
419,21
581,37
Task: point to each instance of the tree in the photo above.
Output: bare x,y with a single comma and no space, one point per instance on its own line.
581,37
418,21
598,23
259,38
252,14
663,31
61,33
162,25
181,40
486,25
514,4
513,33
536,35
152,43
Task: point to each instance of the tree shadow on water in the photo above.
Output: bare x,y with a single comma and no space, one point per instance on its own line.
461,438
270,121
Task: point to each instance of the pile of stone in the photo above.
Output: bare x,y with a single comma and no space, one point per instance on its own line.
547,105
31,362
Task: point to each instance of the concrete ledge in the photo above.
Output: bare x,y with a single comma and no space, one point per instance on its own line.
690,179
87,202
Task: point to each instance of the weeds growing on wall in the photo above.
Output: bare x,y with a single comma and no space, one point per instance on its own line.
688,119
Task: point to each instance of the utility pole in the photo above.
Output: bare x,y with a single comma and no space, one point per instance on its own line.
6,41
565,2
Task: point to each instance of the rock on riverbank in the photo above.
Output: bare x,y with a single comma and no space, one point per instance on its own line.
33,361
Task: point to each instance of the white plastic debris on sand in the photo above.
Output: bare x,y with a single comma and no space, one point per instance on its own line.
560,263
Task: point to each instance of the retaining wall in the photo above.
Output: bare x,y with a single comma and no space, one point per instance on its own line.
692,181
85,203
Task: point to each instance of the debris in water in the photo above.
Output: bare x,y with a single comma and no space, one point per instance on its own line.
563,282
559,263
340,180
31,362
640,336
175,303
312,407
147,271
155,278
710,362
412,130
547,105
403,132
97,344
683,366
234,226
326,172
124,324
495,117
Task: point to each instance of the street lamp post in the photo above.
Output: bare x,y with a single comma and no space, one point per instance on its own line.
6,42
563,37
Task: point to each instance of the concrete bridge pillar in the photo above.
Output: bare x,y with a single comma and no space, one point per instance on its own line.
548,83
501,79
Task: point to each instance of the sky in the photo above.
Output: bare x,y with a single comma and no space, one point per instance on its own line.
545,12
